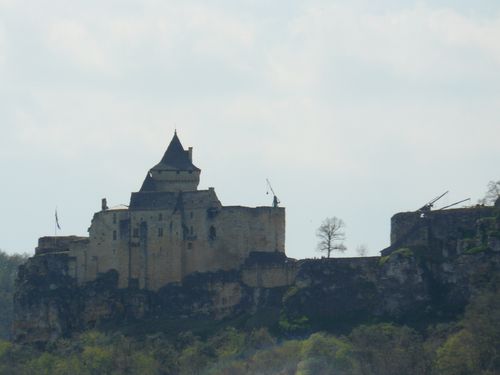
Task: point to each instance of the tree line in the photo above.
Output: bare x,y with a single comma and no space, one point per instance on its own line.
465,347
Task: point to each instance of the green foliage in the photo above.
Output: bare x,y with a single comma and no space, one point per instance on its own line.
97,359
494,234
327,354
293,290
469,346
260,339
406,252
194,359
44,364
476,250
144,363
474,349
228,343
389,349
293,324
383,260
457,355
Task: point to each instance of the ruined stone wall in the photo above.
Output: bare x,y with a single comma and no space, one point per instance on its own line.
51,244
269,275
441,230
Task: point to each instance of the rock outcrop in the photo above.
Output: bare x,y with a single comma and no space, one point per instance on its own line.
326,294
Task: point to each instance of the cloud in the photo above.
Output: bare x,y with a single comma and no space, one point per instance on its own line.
419,42
330,99
455,29
72,40
3,47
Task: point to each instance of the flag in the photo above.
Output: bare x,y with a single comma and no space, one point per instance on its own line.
57,221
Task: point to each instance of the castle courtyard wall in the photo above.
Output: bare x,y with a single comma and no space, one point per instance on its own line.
151,248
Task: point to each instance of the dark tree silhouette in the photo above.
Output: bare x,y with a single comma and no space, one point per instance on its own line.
492,194
330,235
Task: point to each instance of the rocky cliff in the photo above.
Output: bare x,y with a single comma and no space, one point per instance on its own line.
332,294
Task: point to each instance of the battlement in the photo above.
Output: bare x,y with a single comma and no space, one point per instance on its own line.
55,244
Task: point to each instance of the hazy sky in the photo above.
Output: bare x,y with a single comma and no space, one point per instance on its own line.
355,109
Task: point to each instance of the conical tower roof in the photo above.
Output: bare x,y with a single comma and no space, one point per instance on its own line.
176,158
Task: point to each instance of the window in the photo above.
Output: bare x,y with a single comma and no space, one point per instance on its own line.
114,218
191,215
160,217
190,245
135,232
114,235
212,233
160,232
170,227
191,230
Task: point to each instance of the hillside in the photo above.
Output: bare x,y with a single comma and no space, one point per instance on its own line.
465,346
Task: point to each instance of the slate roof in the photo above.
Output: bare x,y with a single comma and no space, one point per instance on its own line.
148,184
176,158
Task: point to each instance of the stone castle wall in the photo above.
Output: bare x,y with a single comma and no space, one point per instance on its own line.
441,229
152,247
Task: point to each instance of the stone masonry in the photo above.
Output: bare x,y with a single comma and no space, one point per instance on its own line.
170,230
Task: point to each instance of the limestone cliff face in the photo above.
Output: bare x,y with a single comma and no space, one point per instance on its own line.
404,287
309,294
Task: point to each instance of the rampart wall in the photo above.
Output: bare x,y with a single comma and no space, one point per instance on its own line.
442,229
152,247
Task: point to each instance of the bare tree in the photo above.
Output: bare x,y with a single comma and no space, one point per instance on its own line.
330,235
362,250
492,194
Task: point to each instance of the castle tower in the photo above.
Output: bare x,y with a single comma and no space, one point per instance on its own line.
175,172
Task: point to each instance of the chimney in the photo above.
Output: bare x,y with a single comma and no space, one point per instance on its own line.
104,204
190,154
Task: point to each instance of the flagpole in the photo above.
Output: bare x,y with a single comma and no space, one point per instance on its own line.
55,228
56,225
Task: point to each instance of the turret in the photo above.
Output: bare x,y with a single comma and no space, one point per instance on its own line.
175,172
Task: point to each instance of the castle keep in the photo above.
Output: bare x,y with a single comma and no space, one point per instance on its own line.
169,230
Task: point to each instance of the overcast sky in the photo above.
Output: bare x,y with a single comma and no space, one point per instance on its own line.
355,109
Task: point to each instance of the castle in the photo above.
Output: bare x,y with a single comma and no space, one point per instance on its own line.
175,254
169,230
